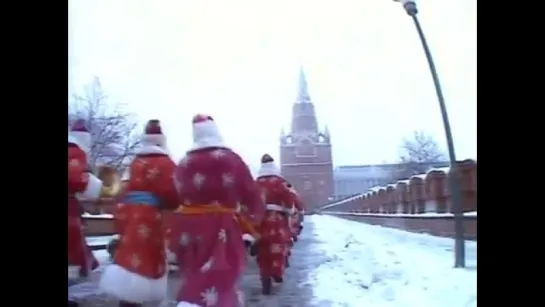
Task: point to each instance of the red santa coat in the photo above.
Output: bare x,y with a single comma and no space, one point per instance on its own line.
274,228
81,184
139,271
214,185
296,220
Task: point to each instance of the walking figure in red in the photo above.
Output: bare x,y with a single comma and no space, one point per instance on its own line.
82,185
217,192
296,220
273,247
139,270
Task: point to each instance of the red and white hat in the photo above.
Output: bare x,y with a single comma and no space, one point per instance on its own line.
205,132
153,134
79,134
268,167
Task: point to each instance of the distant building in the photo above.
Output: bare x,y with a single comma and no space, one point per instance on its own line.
355,179
305,152
306,159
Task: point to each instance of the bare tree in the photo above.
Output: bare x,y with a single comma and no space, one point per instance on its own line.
418,154
114,142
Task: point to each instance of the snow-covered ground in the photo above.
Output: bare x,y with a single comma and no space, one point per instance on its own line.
99,240
102,256
376,266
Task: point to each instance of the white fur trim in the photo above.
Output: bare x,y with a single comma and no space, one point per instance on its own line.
72,140
248,237
93,189
291,210
275,207
268,169
173,267
151,149
77,142
171,257
73,272
82,139
186,304
241,299
206,134
154,139
131,287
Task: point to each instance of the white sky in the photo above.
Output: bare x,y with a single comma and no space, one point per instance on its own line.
238,60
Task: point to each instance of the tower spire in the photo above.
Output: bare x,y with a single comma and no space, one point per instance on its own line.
302,94
303,117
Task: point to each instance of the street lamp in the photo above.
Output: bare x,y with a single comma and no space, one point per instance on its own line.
454,184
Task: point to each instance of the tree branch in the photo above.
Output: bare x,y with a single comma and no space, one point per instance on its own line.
417,154
111,128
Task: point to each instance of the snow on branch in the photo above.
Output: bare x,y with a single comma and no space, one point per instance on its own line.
112,128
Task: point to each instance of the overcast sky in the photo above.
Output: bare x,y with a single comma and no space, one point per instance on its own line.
238,60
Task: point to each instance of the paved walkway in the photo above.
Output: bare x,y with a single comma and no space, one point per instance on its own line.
296,291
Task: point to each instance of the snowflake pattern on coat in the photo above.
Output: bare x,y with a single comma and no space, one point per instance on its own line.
142,247
209,246
274,228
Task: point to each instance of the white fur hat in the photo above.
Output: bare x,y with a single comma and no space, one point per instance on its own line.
153,134
205,132
80,135
268,167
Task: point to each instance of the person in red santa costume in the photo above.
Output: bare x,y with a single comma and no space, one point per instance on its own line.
139,270
82,185
296,221
216,188
275,232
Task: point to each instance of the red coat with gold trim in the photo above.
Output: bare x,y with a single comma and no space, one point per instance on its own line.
142,246
139,270
217,183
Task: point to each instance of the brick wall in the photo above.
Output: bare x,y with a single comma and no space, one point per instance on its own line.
98,226
419,204
438,226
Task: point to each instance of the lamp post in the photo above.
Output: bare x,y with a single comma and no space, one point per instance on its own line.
454,183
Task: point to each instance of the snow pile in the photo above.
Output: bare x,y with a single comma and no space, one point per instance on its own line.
100,240
88,215
102,256
375,266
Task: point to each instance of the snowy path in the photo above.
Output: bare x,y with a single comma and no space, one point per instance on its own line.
375,266
340,263
296,291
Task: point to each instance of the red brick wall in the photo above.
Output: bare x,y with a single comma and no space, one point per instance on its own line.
99,207
434,226
422,193
98,226
441,226
426,193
